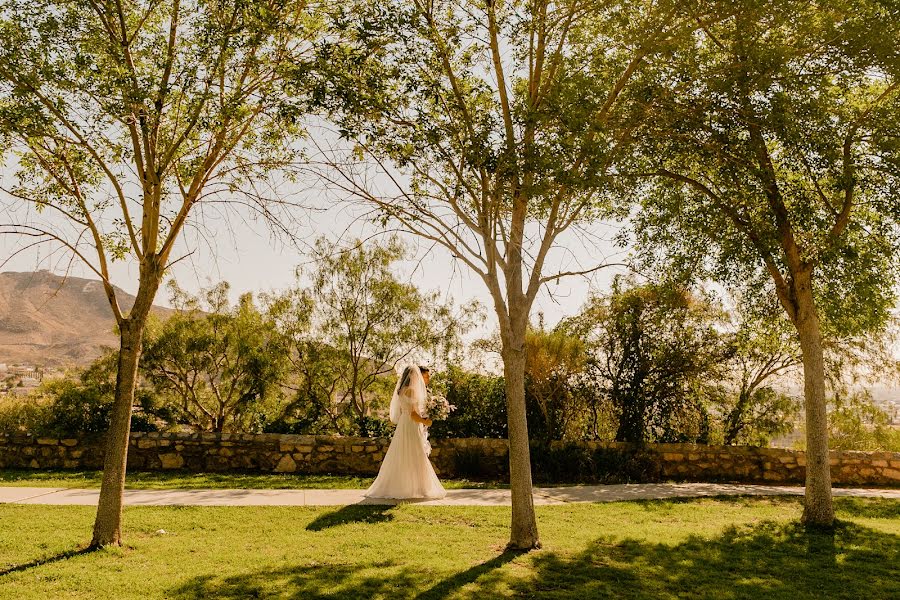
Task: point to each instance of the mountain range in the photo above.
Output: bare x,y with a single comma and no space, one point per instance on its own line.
55,321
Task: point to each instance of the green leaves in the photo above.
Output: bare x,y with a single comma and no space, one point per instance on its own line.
353,326
772,158
126,116
218,366
489,116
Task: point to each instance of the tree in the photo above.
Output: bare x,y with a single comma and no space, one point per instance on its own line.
218,364
491,129
765,353
774,150
125,120
315,372
856,423
655,348
553,360
358,322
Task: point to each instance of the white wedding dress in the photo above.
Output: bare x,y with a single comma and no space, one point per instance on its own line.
406,471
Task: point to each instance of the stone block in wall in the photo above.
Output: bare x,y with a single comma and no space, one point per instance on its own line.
171,460
286,465
489,457
218,464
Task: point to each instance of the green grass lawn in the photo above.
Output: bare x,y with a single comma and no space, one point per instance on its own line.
706,548
184,480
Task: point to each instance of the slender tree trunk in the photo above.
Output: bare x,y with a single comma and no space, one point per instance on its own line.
734,423
523,530
108,523
818,509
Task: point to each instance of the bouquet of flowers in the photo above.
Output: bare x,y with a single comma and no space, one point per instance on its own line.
437,408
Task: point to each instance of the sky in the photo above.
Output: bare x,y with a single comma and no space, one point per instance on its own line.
245,253
251,258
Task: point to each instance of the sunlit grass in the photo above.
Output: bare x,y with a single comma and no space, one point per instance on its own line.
705,548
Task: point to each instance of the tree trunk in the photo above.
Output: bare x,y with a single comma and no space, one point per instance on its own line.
818,508
523,530
108,523
734,422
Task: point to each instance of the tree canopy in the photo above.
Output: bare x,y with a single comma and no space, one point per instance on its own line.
773,148
491,129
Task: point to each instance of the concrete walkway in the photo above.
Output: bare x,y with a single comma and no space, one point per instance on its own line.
466,497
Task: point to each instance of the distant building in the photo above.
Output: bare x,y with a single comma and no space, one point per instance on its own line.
30,381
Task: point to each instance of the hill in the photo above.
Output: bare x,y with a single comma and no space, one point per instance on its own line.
50,320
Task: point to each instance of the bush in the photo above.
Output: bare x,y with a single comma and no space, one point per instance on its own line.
76,408
470,464
82,406
374,427
21,414
855,422
480,402
571,463
566,463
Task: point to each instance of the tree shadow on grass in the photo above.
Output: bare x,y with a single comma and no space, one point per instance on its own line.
46,560
444,587
352,513
386,579
768,560
867,508
357,580
772,560
844,506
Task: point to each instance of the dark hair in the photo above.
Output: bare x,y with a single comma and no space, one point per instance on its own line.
404,378
407,375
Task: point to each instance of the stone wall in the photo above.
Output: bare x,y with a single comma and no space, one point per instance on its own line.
478,458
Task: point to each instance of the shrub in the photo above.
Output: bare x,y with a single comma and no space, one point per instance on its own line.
74,406
480,402
22,414
470,464
857,423
571,462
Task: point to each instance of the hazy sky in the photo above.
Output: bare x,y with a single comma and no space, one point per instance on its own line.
250,258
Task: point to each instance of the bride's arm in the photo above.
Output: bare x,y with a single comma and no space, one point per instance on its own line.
415,417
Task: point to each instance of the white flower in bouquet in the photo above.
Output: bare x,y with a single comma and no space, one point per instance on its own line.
437,408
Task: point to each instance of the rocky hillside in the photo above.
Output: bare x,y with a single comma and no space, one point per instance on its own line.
49,320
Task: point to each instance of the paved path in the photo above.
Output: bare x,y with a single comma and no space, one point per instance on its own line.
468,497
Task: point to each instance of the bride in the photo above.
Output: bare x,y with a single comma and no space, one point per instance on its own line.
406,471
